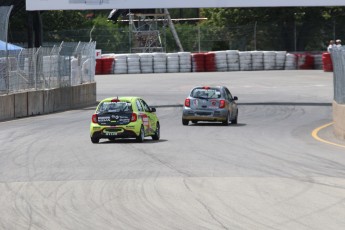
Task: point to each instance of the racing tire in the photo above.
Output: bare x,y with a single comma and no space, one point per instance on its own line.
185,122
235,120
157,134
94,140
226,122
141,136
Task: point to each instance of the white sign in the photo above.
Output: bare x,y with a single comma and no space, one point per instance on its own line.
148,4
98,54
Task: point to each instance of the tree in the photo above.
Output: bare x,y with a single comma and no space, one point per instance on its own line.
291,28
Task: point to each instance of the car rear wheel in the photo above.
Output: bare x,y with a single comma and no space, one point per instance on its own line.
94,140
234,121
156,136
226,122
141,136
185,122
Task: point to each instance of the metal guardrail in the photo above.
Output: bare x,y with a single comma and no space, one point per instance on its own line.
338,60
66,64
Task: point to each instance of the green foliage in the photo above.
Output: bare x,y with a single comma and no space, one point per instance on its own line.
56,25
292,28
110,37
186,35
64,20
184,13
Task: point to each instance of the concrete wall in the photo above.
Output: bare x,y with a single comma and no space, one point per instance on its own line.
35,103
339,120
20,105
6,107
46,101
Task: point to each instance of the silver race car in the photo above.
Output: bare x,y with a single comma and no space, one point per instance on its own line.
211,104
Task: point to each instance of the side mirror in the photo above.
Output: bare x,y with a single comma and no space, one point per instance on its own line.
235,98
152,110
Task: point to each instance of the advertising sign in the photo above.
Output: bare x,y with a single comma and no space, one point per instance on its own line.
149,4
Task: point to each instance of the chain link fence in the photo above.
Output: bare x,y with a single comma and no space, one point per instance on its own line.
4,62
193,39
66,64
338,59
202,38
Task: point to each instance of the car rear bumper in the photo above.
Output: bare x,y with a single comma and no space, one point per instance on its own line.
112,132
204,115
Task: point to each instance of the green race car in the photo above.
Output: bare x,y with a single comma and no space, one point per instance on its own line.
124,117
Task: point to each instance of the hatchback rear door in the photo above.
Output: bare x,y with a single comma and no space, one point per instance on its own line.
205,98
114,113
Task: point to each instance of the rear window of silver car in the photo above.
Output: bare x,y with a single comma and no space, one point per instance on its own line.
206,93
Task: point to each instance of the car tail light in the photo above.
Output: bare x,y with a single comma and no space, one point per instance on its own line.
134,117
94,118
221,103
187,102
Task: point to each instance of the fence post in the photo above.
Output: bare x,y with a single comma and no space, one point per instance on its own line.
35,59
255,34
199,39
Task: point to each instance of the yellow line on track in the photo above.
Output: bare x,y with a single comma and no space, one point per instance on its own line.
316,136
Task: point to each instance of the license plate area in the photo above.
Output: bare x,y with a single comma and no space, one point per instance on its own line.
203,113
111,132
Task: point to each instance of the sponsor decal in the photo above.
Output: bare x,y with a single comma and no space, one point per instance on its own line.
103,119
213,104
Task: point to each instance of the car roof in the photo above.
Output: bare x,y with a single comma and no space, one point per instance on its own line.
124,98
207,86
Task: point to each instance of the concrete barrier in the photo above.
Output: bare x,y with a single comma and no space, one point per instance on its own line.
21,105
63,98
339,120
6,107
82,96
35,103
47,101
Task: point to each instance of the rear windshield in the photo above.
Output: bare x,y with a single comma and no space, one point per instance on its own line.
206,93
114,107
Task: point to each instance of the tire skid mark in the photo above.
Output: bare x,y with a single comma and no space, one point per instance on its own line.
318,211
208,209
233,209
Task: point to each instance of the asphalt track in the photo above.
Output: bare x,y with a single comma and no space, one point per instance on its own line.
276,169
